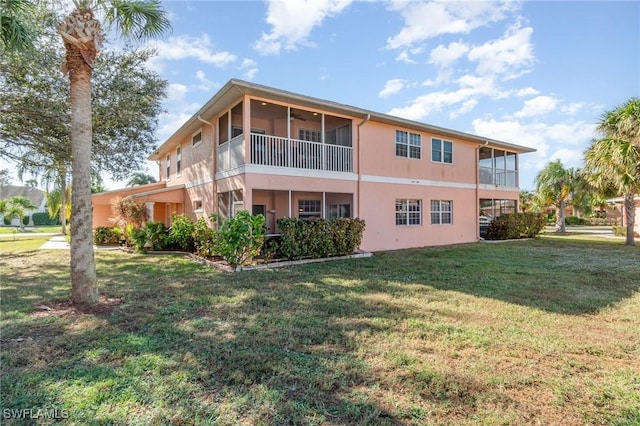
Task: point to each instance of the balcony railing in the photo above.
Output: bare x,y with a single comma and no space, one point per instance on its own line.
498,177
298,154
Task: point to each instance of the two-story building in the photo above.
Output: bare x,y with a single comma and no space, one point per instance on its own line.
283,154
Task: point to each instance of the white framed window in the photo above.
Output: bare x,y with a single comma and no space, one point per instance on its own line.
197,206
309,135
178,160
196,138
441,151
441,212
408,212
408,144
309,208
168,167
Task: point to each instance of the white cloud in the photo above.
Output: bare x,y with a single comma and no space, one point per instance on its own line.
572,108
187,47
444,56
176,92
404,57
392,87
250,68
537,106
426,20
292,22
205,83
527,91
506,55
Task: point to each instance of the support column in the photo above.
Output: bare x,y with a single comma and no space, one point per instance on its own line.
149,205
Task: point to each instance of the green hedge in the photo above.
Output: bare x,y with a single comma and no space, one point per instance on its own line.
104,235
574,220
318,238
516,225
43,219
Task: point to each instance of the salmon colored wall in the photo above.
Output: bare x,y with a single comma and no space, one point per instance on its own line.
101,215
378,157
378,211
298,183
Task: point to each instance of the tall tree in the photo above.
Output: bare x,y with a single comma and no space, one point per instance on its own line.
140,178
622,122
613,165
554,185
82,34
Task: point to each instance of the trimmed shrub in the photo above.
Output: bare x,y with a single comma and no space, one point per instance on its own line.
43,219
25,220
7,220
574,220
515,225
104,235
319,237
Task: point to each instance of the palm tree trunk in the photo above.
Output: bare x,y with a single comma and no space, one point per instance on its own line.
629,213
560,226
84,286
63,206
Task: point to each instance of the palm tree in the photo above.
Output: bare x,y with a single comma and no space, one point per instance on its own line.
140,178
15,207
14,31
614,164
623,122
82,34
554,185
526,199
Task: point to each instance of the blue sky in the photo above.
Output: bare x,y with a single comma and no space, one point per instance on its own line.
537,73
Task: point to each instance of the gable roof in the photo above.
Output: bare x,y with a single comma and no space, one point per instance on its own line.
34,194
235,88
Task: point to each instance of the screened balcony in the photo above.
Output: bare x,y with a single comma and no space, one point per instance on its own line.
498,167
285,137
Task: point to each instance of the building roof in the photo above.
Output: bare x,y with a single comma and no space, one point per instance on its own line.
235,88
36,195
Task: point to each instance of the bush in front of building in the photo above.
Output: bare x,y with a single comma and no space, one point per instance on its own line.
318,238
574,220
516,225
239,239
43,219
107,235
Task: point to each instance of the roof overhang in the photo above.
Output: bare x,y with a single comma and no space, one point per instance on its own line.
235,89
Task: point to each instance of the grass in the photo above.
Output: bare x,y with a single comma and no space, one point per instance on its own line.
535,332
29,230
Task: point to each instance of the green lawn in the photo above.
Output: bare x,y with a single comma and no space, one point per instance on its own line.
531,332
29,230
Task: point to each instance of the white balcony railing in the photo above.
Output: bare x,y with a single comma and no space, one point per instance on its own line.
293,153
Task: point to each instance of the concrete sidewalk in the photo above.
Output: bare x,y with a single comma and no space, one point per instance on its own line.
58,242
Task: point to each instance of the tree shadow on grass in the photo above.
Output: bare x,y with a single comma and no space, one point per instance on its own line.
262,348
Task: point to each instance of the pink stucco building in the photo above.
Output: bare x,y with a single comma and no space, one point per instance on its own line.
284,154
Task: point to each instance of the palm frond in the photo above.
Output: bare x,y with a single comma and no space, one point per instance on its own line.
139,19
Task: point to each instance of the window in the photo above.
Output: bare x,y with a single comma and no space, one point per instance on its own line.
236,131
441,212
408,144
178,161
441,151
309,208
197,206
309,135
408,212
196,139
168,167
339,210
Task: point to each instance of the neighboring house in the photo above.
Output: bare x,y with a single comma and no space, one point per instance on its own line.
37,197
619,206
283,154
